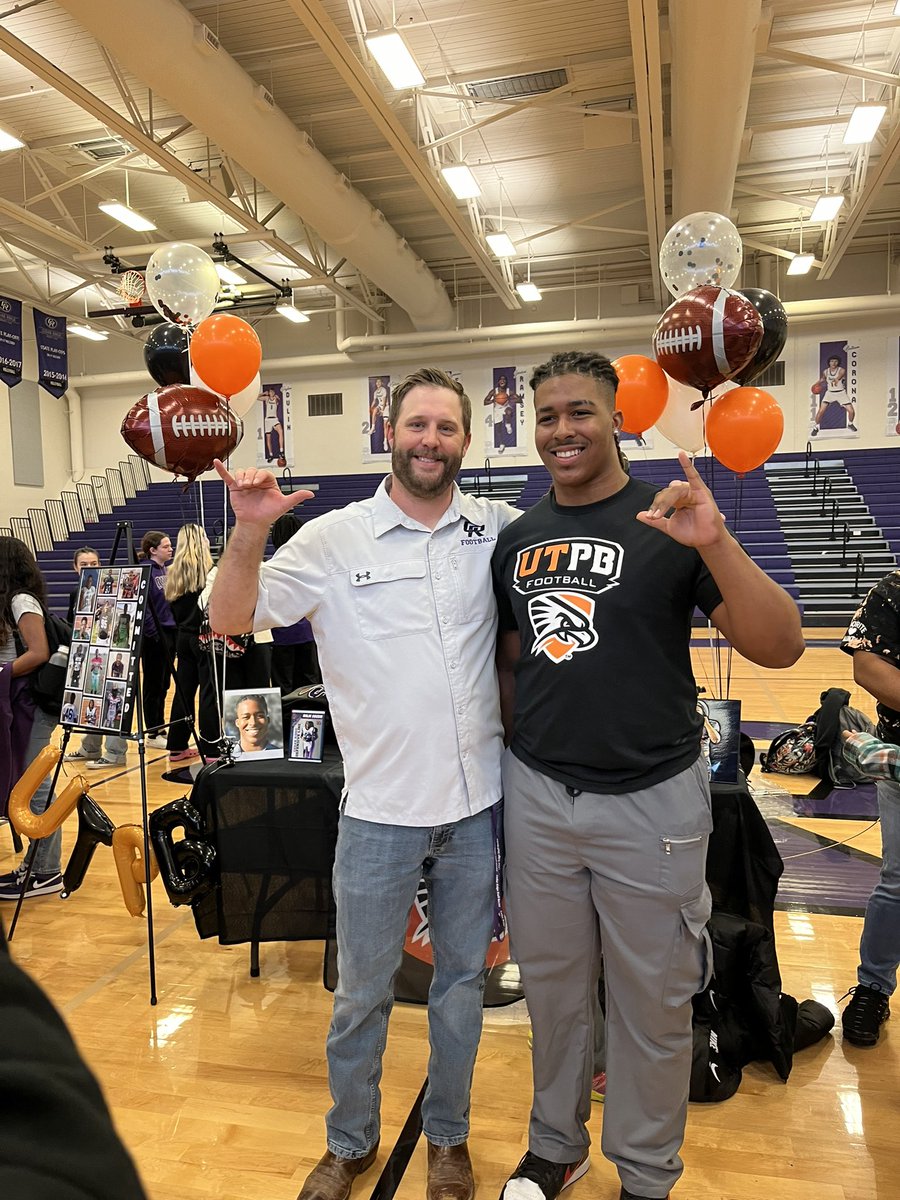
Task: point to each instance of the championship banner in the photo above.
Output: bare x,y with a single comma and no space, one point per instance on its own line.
504,414
833,395
377,411
52,351
10,341
274,426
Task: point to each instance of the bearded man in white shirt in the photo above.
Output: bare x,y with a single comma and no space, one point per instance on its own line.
398,592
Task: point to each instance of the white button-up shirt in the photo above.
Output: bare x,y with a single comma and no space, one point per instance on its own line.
405,623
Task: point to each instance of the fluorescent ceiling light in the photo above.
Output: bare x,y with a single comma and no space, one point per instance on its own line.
126,216
502,245
9,141
287,310
461,181
228,276
827,207
528,290
391,53
85,331
863,124
800,264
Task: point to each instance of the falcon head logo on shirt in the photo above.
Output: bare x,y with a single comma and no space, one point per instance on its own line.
561,580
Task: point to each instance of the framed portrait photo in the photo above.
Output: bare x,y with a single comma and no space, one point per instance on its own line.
253,722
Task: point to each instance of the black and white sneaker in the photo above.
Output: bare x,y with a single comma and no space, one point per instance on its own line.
38,885
865,1014
539,1179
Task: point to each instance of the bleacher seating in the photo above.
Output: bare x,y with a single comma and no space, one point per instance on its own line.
91,513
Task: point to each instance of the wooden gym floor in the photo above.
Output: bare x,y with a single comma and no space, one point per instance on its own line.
219,1090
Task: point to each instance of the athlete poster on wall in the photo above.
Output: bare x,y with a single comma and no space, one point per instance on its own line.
375,417
504,414
105,650
892,406
274,427
833,393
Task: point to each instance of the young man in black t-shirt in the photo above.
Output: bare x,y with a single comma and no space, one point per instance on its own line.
873,638
606,791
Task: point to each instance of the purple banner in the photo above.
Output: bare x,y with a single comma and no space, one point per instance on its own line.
53,364
10,341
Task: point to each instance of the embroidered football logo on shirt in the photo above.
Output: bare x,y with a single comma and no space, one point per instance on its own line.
561,580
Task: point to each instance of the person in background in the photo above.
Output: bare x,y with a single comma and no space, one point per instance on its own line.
158,646
295,662
606,794
399,594
24,729
873,638
185,581
91,751
84,556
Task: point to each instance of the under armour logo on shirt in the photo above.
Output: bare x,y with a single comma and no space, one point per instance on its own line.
361,575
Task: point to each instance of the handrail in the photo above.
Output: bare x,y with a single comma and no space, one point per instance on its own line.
809,454
827,489
834,512
844,543
815,474
860,567
487,471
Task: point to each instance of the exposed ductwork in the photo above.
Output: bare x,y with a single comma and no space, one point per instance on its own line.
205,84
713,46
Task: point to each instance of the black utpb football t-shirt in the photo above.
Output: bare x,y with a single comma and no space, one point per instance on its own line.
605,694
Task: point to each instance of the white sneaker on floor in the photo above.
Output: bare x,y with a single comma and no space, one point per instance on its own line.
160,742
104,764
77,756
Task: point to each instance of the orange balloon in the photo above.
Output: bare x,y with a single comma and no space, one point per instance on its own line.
642,393
226,353
743,428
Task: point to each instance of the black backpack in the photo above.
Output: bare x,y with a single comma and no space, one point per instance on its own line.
48,682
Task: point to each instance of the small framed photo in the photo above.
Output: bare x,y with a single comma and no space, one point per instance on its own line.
307,735
253,722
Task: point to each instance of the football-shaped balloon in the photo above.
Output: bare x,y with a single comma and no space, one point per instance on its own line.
707,336
182,429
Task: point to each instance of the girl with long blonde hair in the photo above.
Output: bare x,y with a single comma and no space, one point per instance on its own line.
185,580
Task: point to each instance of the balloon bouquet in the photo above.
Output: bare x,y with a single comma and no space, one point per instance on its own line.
206,365
711,334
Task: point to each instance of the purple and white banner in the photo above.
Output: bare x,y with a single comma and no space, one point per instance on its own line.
52,351
10,341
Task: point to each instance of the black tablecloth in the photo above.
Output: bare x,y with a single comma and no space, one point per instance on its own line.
274,825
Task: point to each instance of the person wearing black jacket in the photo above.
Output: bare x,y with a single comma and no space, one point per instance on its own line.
57,1140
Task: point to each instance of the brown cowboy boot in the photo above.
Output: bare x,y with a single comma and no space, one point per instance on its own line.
450,1173
332,1177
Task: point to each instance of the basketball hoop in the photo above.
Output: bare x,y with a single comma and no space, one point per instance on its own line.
131,288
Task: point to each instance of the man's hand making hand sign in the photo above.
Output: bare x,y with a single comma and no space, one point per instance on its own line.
694,518
255,496
257,502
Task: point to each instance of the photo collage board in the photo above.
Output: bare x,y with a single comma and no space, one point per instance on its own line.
106,642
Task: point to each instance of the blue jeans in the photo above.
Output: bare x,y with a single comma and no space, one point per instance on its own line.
47,856
879,948
376,873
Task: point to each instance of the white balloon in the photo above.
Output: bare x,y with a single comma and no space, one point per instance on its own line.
241,402
681,426
702,248
182,283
